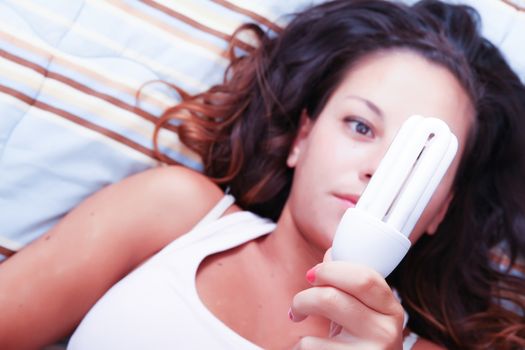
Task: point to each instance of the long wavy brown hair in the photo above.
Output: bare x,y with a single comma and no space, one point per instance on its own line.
456,293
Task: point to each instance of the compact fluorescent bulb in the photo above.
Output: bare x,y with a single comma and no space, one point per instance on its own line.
376,231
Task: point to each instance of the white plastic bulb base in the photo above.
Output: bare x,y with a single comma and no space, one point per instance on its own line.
364,239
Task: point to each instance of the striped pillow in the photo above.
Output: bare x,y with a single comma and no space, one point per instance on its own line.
70,70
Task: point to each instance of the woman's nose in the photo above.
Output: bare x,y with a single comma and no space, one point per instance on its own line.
365,174
370,164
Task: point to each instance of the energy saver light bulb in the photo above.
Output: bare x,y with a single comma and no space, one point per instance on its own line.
376,231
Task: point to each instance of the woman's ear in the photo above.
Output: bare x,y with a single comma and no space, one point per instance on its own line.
305,126
440,215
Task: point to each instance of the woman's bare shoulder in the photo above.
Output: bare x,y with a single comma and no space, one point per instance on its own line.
170,197
173,183
140,214
94,246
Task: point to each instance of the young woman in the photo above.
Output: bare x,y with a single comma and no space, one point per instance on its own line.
294,135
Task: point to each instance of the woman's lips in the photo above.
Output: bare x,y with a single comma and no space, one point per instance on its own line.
348,200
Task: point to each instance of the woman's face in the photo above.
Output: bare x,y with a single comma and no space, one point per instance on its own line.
335,156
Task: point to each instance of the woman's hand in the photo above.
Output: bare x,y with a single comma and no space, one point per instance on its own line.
359,303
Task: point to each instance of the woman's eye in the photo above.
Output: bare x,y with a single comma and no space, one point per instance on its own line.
360,128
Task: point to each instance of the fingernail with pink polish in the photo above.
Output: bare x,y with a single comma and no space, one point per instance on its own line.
335,329
290,314
310,275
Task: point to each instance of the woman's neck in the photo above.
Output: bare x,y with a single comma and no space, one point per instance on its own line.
263,277
290,249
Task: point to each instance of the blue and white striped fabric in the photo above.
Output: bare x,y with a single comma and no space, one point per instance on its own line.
70,70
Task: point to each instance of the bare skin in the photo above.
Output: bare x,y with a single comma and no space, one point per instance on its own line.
277,264
93,247
251,287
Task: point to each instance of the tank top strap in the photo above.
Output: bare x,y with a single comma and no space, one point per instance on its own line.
217,211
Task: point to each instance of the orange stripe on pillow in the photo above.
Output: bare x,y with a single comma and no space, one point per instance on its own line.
126,8
92,74
172,13
514,5
77,120
256,17
499,257
81,87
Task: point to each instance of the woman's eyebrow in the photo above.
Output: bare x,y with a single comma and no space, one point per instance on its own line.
372,106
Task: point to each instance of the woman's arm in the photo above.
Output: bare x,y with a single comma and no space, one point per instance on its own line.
46,288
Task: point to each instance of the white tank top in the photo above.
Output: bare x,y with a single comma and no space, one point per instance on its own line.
157,305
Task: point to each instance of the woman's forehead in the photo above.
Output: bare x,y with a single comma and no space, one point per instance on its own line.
403,83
